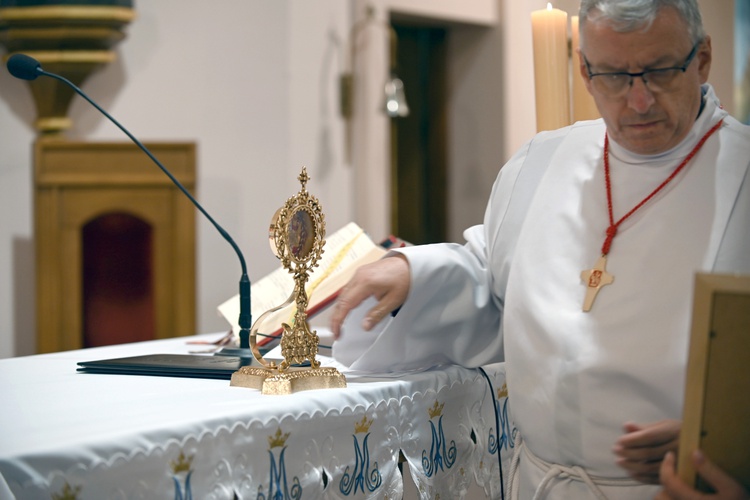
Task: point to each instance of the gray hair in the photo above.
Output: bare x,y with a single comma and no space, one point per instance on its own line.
630,15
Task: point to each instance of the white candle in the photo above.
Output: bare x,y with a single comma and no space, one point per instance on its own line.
550,36
584,107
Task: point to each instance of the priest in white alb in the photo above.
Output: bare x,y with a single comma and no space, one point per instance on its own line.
580,277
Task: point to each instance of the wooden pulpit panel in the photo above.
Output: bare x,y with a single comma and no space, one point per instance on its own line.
78,181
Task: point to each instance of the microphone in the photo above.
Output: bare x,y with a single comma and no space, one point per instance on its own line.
27,68
24,67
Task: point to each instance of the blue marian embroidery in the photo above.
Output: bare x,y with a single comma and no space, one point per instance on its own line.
361,477
507,434
439,453
278,485
180,468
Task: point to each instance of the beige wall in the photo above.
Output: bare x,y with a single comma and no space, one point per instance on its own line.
252,82
718,21
255,84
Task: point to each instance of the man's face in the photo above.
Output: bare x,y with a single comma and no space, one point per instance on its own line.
642,120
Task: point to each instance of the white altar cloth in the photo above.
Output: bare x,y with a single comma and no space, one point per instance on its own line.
97,436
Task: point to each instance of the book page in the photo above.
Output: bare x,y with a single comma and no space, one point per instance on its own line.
344,251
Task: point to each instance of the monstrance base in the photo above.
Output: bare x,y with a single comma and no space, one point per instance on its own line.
293,380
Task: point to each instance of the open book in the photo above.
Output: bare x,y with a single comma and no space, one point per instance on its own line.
344,251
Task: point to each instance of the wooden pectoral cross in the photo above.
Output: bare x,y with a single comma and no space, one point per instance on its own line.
595,279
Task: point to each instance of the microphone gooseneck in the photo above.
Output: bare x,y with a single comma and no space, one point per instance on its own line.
27,68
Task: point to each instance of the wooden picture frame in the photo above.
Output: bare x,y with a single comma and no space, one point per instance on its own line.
716,415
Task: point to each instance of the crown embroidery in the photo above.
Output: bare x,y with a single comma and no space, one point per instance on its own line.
503,392
436,410
67,493
363,425
278,440
182,464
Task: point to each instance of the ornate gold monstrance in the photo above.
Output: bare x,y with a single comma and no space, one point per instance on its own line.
296,235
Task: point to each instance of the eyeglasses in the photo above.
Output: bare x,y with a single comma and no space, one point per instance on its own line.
616,84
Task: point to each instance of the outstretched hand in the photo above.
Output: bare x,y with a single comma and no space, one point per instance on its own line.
725,486
387,280
642,448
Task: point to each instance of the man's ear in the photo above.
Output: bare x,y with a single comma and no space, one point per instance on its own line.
583,70
704,57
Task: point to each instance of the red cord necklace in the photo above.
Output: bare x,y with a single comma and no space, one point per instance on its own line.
598,276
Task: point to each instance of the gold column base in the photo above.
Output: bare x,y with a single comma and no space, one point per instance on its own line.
287,382
69,40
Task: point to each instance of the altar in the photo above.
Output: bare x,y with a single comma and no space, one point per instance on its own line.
81,436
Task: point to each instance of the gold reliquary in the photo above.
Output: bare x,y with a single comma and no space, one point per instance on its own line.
297,237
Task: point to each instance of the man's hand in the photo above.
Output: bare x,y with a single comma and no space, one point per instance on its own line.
675,489
642,448
387,280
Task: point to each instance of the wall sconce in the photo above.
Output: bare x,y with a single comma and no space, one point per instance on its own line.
395,99
395,104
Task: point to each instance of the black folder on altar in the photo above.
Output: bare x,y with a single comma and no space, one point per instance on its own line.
168,365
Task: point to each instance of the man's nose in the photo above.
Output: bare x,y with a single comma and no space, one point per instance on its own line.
640,97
